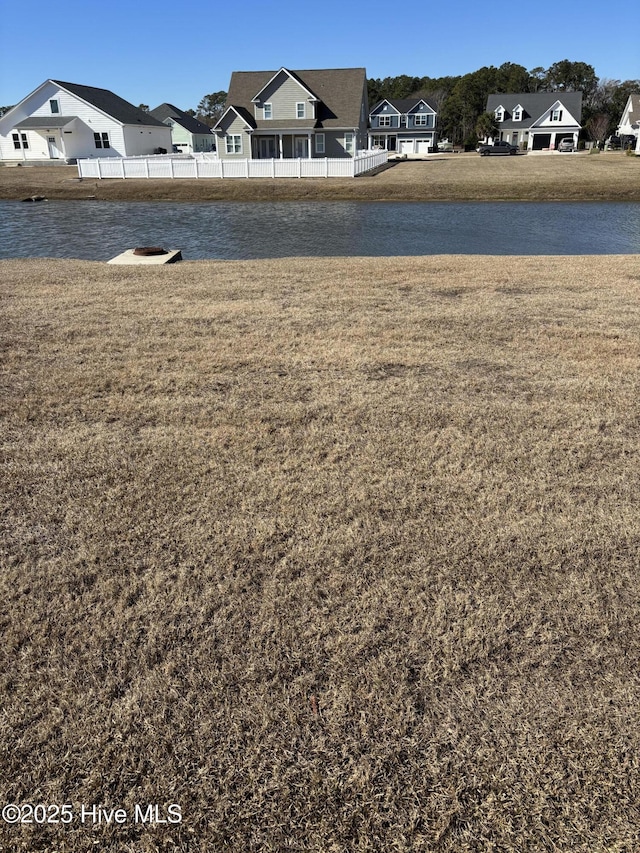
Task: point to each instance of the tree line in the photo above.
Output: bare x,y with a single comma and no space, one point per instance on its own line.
461,101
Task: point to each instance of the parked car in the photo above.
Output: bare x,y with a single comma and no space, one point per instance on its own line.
566,145
613,143
445,145
500,146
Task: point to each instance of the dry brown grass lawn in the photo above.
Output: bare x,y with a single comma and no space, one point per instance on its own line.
337,555
609,176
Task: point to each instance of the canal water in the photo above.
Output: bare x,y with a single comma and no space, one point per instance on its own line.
96,230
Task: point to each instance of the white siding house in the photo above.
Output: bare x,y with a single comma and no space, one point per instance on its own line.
64,121
537,121
629,127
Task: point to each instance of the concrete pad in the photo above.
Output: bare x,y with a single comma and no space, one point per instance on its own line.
170,257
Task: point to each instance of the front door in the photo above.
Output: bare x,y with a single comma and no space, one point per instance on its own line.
302,147
54,151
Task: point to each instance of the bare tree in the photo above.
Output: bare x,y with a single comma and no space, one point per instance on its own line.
597,126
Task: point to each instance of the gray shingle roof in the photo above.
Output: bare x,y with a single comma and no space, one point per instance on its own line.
190,123
111,104
339,90
534,104
404,105
44,122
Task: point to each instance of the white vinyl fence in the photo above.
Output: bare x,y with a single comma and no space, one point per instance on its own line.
160,166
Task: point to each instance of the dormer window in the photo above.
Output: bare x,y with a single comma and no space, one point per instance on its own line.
517,113
267,111
55,107
500,114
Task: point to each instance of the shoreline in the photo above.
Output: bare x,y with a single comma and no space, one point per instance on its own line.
608,176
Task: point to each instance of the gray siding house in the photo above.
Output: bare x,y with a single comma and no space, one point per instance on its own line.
188,134
407,125
537,120
294,114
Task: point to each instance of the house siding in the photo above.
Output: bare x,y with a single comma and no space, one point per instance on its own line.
77,139
402,133
144,140
283,94
235,126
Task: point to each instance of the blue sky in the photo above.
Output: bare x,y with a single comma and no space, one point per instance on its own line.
151,52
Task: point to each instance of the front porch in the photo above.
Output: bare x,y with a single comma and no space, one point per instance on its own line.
40,138
283,145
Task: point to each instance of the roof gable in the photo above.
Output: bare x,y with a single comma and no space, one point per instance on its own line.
631,113
283,72
339,93
229,116
383,106
403,105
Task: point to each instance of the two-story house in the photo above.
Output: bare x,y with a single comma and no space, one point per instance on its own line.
406,125
537,120
294,114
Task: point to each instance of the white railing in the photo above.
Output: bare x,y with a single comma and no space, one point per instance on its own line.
160,166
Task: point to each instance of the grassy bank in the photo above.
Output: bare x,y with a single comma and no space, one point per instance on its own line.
337,555
609,176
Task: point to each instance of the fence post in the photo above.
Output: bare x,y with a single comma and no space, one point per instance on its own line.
99,169
170,168
246,168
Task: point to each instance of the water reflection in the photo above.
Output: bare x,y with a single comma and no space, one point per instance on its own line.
97,230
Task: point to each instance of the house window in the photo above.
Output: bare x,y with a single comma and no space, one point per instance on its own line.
500,114
422,120
384,121
517,114
379,142
300,110
319,137
101,140
268,111
55,107
20,141
349,142
556,115
234,143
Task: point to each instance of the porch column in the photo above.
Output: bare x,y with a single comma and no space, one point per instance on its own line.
309,149
280,155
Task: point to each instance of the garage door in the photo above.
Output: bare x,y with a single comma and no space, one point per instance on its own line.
541,140
406,146
423,146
